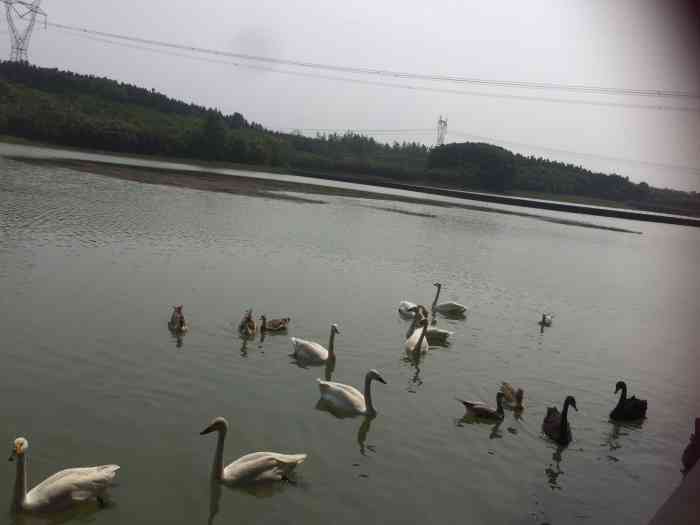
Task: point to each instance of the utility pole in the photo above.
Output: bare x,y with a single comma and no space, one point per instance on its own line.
441,131
20,12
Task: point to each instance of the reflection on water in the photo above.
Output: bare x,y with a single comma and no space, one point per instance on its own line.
79,253
619,429
414,381
553,470
83,513
244,346
362,435
263,489
496,431
178,339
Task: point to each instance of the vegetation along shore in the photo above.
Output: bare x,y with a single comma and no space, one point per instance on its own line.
68,109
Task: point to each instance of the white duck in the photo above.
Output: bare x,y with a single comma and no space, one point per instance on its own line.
407,309
251,468
449,307
61,490
348,399
417,341
310,352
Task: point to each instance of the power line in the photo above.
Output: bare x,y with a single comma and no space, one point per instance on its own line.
551,86
423,131
492,140
527,98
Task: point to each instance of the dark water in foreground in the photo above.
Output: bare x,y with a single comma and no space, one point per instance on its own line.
88,269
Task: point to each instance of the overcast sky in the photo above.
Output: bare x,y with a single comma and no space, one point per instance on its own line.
633,44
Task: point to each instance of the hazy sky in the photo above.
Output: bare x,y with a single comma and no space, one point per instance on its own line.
633,44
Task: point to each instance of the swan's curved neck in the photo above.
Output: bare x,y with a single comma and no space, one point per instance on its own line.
437,294
623,396
420,339
331,343
217,469
20,481
368,395
563,430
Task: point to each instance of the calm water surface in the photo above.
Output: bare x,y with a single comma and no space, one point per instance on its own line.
90,265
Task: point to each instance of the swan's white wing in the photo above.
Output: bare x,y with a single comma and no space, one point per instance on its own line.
437,335
405,306
344,397
262,466
73,484
412,341
439,332
450,307
308,350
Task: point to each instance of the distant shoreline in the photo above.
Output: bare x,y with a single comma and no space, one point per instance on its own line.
544,202
538,203
250,185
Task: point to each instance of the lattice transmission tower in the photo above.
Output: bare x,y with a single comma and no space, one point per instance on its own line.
441,131
21,17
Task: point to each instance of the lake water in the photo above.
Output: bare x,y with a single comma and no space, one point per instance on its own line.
90,265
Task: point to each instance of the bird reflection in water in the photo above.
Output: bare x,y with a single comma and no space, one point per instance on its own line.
619,430
244,347
259,490
496,431
177,337
553,471
84,513
415,382
362,435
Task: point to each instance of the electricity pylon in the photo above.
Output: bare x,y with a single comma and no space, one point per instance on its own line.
18,12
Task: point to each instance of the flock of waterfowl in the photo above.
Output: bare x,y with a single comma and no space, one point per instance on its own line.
75,485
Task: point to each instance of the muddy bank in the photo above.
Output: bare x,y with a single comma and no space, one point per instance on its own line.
278,189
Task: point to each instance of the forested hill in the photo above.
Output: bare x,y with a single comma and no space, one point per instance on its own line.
65,108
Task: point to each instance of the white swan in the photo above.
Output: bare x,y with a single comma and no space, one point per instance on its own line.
348,399
251,468
61,490
313,353
417,341
447,308
435,335
406,309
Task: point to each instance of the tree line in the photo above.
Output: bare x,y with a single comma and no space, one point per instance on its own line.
65,108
